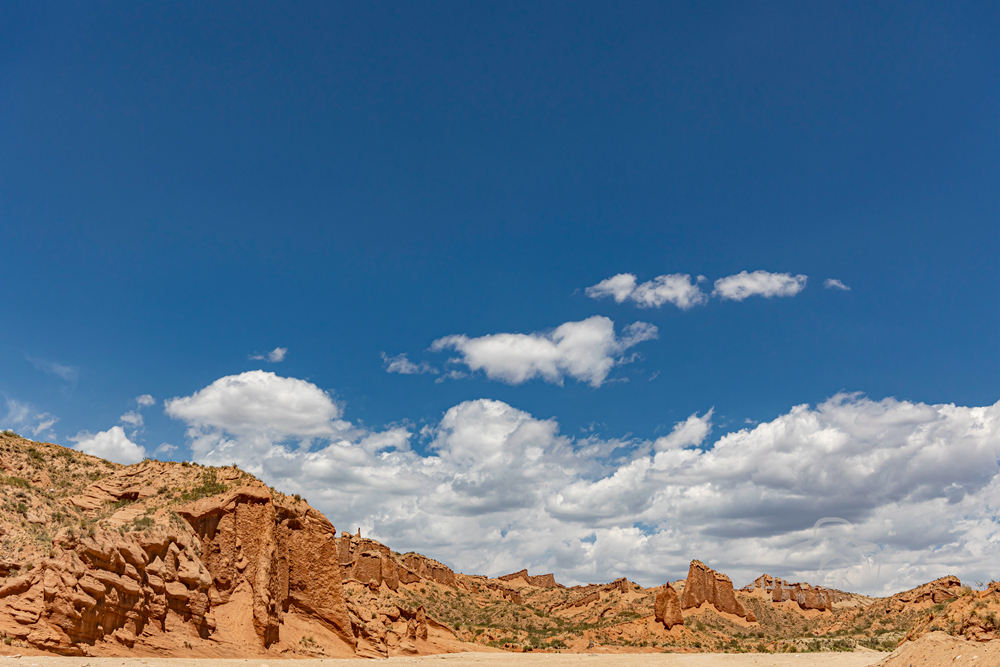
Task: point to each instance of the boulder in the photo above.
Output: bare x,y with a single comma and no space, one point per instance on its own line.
667,608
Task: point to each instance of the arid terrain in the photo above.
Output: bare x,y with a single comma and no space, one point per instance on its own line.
164,560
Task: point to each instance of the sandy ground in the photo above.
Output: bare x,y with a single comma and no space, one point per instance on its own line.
857,659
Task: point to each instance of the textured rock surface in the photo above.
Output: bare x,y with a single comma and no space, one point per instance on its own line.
428,568
704,584
178,560
285,552
805,595
131,587
667,608
539,580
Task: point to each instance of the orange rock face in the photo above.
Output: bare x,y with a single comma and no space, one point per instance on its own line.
805,595
134,586
428,568
667,608
286,553
706,585
539,580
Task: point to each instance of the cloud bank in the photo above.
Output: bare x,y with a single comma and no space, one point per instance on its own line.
585,350
679,290
496,489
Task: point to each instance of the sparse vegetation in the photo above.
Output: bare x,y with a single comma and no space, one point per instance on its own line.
209,486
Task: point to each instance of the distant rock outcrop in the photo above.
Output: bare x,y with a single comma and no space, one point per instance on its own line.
937,591
667,608
805,595
706,585
428,568
539,580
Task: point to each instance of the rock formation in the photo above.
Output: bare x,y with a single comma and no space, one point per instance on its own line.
706,585
539,580
241,549
180,560
285,552
667,608
428,568
805,595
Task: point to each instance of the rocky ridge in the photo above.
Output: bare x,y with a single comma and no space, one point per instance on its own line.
175,559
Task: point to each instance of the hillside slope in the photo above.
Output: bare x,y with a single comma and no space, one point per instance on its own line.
175,559
172,559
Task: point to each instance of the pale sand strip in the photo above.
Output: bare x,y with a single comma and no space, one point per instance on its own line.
857,659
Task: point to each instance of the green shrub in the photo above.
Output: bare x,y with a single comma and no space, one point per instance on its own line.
210,486
15,481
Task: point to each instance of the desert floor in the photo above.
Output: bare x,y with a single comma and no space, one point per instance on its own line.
858,659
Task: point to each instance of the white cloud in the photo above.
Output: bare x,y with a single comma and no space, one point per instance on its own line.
112,444
691,431
833,283
586,351
497,489
132,417
25,417
277,355
759,283
165,449
67,373
620,287
256,407
451,375
675,288
400,364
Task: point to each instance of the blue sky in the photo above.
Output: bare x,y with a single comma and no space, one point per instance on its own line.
185,187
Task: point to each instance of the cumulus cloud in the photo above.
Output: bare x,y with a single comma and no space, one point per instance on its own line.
759,283
495,489
402,365
620,287
145,400
675,288
277,355
255,409
833,283
26,418
586,351
67,373
112,444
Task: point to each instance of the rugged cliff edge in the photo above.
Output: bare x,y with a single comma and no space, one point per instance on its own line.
179,560
175,559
